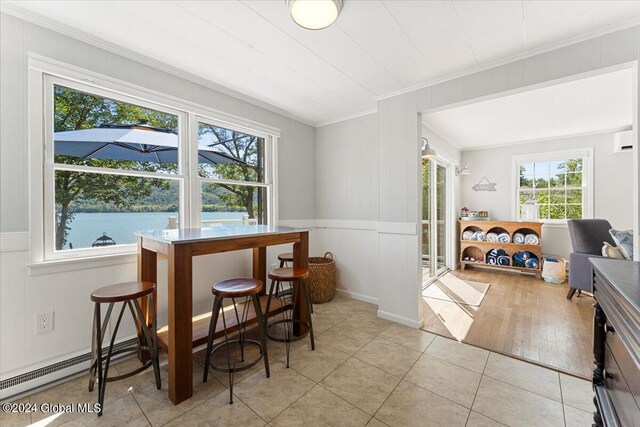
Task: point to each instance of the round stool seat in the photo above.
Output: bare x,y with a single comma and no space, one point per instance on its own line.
287,257
236,288
288,274
122,292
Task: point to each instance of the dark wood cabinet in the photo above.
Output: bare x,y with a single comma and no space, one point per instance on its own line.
616,343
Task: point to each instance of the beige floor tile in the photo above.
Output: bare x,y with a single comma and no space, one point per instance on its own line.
576,418
447,380
17,418
577,393
367,322
323,321
318,363
376,423
218,412
391,357
361,384
533,378
322,408
144,378
347,340
74,392
270,396
124,411
410,405
415,339
159,409
513,406
477,420
466,356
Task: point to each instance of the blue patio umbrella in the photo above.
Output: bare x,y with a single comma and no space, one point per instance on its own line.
137,142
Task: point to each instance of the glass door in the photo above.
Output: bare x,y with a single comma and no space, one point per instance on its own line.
435,223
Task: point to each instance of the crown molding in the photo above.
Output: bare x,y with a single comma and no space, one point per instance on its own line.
85,37
344,119
514,58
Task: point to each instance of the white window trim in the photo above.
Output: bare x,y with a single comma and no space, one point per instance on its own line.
42,73
588,181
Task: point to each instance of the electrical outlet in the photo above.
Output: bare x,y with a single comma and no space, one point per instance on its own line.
44,323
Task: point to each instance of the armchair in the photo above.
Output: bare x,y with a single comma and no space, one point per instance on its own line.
587,237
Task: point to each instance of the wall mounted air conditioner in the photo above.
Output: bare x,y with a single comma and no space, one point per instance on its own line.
623,141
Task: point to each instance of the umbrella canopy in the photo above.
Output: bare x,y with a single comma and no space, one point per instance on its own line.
139,142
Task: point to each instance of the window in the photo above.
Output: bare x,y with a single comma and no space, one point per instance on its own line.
115,164
558,182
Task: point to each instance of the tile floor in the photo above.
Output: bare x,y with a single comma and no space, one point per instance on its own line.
364,371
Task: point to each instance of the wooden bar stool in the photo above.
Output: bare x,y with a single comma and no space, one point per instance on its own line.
236,288
285,259
298,288
128,294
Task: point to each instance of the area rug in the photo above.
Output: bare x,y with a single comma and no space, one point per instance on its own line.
452,289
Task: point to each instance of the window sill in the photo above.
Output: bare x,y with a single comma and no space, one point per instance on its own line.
555,224
63,265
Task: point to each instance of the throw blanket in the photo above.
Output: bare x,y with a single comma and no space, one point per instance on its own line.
467,235
497,257
525,259
518,238
492,237
532,239
504,237
478,236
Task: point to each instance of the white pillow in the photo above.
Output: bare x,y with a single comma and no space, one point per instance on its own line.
610,251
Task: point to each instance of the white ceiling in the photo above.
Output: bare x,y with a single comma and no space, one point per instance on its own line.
375,48
588,105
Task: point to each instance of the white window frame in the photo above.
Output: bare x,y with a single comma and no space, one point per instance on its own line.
43,74
587,179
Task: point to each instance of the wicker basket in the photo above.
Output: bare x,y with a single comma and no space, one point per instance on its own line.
322,278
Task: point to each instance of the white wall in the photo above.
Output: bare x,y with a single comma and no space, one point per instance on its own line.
613,184
347,202
23,292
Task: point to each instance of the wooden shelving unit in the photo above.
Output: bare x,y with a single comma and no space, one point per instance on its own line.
472,248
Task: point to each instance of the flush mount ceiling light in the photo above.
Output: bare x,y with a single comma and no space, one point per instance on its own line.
427,152
314,14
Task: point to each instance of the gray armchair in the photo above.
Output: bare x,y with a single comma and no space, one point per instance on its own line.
587,238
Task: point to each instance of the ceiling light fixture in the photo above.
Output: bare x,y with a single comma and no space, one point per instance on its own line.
314,14
427,152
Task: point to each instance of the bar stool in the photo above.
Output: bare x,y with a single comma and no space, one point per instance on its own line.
289,298
285,259
128,294
236,288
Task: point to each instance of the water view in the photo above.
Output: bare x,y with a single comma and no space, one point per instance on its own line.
120,226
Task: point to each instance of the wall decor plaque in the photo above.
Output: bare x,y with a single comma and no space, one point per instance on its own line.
485,185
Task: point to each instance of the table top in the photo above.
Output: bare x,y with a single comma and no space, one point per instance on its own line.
190,235
623,275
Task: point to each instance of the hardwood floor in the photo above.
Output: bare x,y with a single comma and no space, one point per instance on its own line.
521,317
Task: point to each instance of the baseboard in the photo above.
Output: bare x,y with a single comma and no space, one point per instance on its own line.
399,319
360,297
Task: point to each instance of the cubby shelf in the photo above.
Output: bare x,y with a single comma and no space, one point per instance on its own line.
484,246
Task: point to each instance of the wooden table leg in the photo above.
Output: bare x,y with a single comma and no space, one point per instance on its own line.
301,260
147,272
260,266
180,327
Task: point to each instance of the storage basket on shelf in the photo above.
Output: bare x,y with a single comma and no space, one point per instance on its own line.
322,278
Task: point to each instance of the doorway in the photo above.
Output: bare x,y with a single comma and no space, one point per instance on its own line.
436,201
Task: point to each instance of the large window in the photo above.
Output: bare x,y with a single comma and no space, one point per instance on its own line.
558,182
115,164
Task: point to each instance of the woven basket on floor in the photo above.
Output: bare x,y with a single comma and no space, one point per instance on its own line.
322,278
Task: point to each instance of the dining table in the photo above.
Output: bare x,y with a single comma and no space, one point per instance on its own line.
184,331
